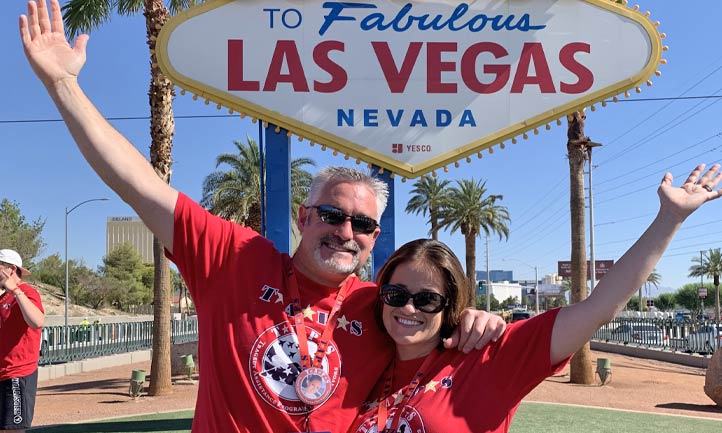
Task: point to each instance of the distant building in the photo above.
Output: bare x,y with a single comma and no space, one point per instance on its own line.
496,275
131,229
502,290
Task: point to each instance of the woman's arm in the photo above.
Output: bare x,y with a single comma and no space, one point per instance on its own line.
577,323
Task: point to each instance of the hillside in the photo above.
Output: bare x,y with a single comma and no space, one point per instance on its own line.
54,303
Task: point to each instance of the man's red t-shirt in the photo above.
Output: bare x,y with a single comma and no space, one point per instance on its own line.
248,353
474,393
19,343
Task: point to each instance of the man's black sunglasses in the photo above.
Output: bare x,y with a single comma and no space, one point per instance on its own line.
397,296
335,217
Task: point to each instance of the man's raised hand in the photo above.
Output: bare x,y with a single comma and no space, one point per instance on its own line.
43,36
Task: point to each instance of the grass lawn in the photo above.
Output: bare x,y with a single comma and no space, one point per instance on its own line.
169,422
553,418
531,418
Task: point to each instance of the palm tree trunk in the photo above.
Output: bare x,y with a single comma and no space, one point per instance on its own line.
162,128
581,363
470,242
434,220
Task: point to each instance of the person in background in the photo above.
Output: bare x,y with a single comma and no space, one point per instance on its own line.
422,290
266,320
21,319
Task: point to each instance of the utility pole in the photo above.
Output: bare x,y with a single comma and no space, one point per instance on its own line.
592,264
701,282
536,290
488,282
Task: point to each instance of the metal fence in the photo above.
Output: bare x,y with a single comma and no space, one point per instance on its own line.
95,340
690,336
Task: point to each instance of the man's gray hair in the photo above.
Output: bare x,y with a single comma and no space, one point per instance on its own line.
330,176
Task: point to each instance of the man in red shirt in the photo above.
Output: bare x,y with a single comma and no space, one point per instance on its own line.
21,317
267,322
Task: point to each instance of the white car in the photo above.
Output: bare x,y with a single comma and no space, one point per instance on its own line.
648,335
706,339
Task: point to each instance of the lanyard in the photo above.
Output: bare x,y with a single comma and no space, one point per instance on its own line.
408,392
323,342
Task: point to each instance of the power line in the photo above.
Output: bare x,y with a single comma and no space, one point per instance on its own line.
198,116
220,116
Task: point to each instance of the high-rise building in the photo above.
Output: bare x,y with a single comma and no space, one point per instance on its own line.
131,230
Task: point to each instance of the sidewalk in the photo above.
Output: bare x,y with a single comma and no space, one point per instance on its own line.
636,384
103,394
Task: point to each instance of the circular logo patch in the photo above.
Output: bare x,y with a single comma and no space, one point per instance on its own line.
275,365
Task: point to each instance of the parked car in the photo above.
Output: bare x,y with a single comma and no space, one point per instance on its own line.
521,315
706,339
680,317
649,335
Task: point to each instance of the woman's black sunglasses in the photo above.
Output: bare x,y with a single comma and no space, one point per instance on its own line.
397,296
335,217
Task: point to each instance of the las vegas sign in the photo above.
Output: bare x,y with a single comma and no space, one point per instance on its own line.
409,86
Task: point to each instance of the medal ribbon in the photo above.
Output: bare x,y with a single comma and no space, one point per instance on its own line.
409,390
323,342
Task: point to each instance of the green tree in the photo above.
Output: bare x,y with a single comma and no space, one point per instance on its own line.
51,270
652,279
123,271
18,234
633,304
235,194
710,265
558,301
665,302
472,211
84,282
430,195
511,300
481,303
687,296
82,16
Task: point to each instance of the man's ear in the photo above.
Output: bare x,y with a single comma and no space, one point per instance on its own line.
375,234
302,218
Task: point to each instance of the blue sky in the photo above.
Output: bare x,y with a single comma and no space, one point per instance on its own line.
44,172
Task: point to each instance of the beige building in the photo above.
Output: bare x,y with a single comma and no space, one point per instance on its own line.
132,230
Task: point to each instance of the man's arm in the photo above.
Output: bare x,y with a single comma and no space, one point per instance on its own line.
577,323
112,156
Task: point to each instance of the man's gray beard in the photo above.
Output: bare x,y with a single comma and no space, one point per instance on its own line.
332,265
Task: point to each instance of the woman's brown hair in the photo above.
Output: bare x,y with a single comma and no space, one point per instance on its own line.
439,256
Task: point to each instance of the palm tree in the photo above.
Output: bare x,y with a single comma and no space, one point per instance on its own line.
82,16
430,197
580,367
653,278
235,194
470,210
711,266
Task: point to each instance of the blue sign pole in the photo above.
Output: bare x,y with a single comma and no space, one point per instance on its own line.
386,242
278,188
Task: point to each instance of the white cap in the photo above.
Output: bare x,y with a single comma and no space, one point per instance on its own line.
11,257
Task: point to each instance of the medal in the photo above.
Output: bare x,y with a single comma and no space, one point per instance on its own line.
313,386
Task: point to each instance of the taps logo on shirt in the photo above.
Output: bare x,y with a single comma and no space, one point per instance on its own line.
271,295
275,363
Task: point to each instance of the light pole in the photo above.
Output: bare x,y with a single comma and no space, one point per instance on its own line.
592,264
536,283
67,297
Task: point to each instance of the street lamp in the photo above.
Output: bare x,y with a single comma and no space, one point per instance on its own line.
536,283
67,297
